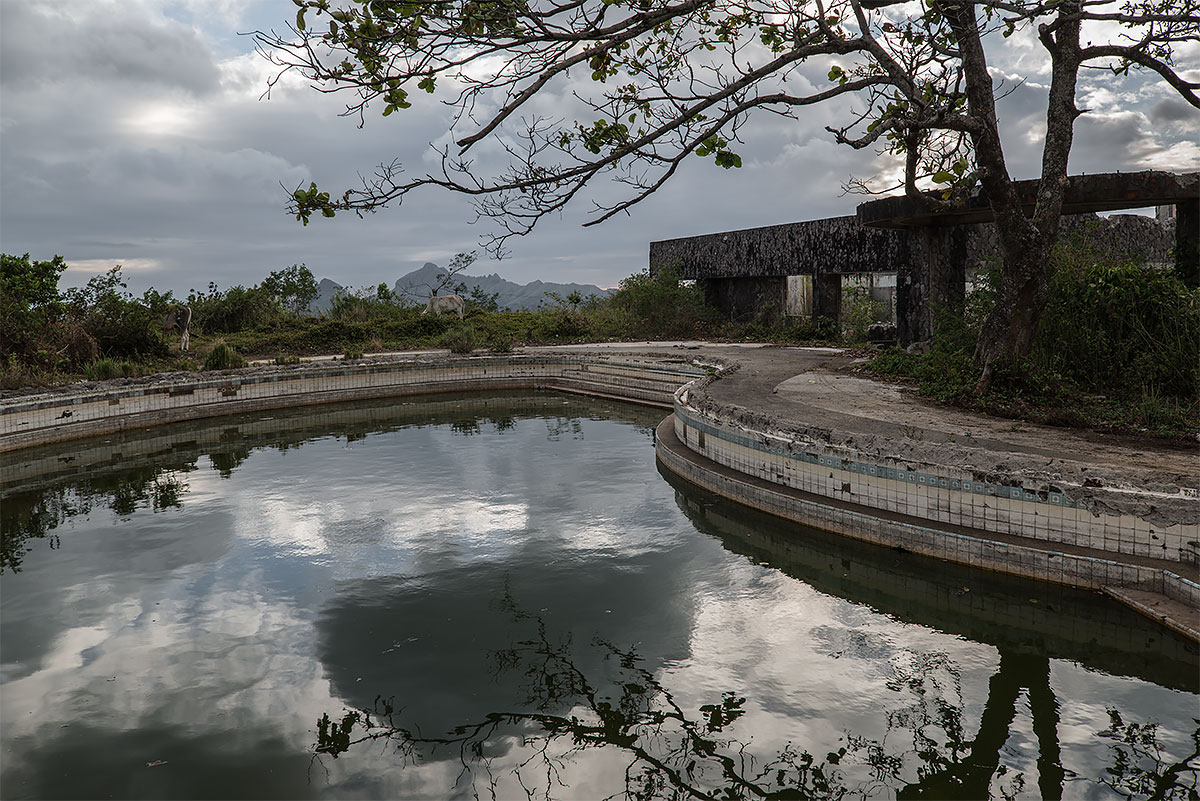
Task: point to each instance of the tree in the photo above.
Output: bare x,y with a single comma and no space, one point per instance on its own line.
122,325
679,78
294,288
29,300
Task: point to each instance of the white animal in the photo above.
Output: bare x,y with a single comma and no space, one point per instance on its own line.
439,304
178,320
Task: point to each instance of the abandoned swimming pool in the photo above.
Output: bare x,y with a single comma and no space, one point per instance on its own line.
420,597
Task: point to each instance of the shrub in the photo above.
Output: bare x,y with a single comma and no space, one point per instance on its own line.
1120,327
102,370
352,353
234,309
461,340
223,357
501,345
859,310
287,359
29,302
661,305
121,325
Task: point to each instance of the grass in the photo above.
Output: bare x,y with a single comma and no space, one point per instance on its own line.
1057,403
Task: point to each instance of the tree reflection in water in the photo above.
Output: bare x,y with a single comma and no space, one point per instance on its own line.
29,515
676,755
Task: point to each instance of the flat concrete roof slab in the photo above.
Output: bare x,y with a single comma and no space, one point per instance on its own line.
1111,191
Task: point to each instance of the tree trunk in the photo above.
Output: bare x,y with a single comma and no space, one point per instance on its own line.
1025,243
1008,331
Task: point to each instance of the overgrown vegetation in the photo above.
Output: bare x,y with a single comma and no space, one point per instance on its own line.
100,328
859,310
1118,349
101,331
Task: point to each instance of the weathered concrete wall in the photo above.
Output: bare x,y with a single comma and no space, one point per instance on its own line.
840,245
942,501
762,489
932,264
834,245
745,299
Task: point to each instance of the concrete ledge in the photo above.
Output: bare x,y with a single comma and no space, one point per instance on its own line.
943,483
88,411
1026,557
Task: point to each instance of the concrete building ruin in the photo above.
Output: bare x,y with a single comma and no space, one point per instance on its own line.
920,259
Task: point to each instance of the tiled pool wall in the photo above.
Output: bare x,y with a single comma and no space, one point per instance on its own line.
34,468
761,488
58,416
1055,513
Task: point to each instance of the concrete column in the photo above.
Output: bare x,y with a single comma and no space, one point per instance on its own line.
947,270
1187,242
912,297
827,298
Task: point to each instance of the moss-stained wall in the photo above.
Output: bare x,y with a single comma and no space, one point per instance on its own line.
834,245
841,245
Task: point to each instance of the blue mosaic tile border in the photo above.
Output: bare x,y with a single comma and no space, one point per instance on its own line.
866,468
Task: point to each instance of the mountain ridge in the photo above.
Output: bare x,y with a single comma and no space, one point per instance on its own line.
416,286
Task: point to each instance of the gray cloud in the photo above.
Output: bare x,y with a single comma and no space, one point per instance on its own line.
133,137
85,43
1172,110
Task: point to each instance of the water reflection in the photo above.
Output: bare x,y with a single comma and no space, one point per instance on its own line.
1013,614
201,595
44,487
620,703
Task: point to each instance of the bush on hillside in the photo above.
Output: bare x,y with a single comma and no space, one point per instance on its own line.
235,309
659,306
223,357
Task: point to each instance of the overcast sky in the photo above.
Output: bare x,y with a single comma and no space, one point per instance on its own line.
134,133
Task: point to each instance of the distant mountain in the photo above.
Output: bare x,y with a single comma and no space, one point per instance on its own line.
326,289
416,285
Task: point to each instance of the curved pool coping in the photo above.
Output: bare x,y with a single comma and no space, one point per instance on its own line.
823,481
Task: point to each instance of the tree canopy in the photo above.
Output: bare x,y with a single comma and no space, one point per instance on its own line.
656,82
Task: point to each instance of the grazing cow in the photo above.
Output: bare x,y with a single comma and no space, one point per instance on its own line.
446,303
178,320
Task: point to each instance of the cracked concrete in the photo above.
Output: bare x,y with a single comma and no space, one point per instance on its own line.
814,395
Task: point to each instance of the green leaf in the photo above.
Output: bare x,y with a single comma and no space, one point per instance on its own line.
300,19
943,177
427,84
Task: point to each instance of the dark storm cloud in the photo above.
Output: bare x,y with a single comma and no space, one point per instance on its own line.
1173,110
42,43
